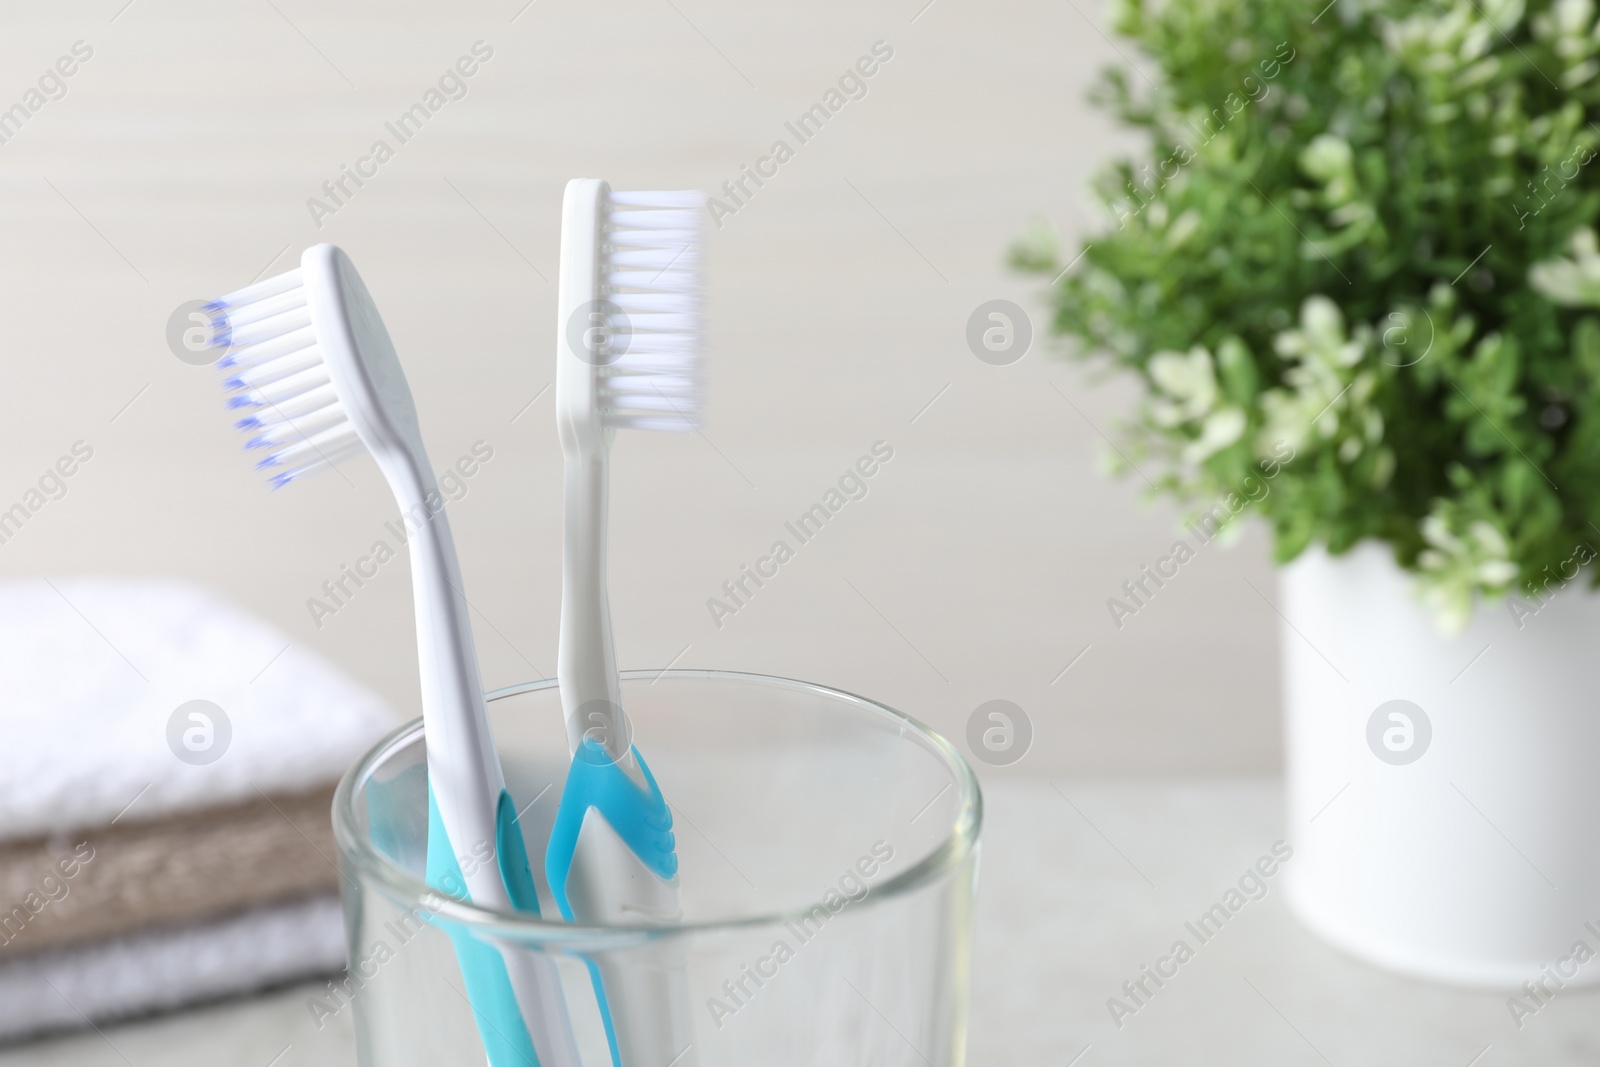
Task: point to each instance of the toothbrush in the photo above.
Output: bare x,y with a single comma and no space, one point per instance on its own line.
626,358
316,381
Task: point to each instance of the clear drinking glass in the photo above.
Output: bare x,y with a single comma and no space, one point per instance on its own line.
828,857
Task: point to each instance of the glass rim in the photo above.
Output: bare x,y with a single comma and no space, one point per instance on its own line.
406,889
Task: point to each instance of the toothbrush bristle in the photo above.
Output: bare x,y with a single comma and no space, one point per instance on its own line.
650,271
278,382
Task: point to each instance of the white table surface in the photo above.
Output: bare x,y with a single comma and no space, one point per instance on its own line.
1065,916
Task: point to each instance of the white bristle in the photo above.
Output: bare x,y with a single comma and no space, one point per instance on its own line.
250,294
277,380
650,270
250,355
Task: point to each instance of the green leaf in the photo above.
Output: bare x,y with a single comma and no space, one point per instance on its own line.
1408,156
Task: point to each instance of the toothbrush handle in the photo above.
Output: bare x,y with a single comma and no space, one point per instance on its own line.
644,996
516,996
475,845
612,859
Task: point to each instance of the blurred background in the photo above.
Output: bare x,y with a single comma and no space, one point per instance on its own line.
838,303
180,163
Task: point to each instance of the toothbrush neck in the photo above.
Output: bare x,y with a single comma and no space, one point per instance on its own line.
454,711
591,696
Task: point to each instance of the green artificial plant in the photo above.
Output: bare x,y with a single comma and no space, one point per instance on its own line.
1362,237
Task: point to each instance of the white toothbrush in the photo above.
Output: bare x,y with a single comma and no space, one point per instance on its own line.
627,353
316,379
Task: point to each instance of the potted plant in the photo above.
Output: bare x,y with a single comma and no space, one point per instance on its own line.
1357,266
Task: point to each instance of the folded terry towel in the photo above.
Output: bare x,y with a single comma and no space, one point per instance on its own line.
120,849
176,869
168,968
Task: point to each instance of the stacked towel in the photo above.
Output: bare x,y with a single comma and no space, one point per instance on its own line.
149,857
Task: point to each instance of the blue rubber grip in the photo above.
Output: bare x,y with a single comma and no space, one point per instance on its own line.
494,1002
640,817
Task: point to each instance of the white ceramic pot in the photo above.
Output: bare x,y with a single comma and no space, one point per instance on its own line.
1474,863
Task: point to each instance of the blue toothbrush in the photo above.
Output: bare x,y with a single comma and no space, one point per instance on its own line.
315,380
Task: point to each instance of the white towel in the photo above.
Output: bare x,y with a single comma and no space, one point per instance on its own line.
170,968
92,671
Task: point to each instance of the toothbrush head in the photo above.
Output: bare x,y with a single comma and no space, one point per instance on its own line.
631,331
311,372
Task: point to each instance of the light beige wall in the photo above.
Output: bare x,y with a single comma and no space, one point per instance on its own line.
180,161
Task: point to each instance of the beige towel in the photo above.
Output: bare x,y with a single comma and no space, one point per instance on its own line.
168,872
